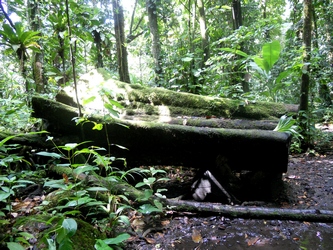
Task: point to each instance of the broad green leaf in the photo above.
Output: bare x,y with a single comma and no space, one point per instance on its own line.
55,184
14,246
283,75
235,51
4,196
97,189
83,169
271,53
101,245
66,244
4,222
78,202
119,239
49,154
70,226
115,103
90,99
112,111
52,245
147,209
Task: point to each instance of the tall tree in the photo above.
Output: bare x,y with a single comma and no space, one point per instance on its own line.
37,58
203,30
155,36
305,84
119,26
237,19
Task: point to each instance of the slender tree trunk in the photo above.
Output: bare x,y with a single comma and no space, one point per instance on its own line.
98,43
119,25
324,90
304,95
203,31
37,63
155,36
237,22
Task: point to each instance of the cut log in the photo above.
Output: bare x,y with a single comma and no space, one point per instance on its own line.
151,143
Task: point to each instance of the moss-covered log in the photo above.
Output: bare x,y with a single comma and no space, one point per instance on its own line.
159,104
160,143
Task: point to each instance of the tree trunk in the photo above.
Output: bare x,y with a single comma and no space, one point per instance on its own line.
98,43
203,31
119,26
238,22
37,62
155,36
304,95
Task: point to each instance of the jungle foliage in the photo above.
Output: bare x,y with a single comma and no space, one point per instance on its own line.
246,50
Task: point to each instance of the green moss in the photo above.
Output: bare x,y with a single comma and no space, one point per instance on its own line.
84,238
143,100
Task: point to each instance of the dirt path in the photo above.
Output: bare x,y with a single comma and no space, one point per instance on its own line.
308,184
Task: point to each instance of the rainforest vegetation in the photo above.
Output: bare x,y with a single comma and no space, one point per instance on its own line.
247,52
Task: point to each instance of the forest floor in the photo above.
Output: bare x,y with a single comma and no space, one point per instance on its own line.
308,184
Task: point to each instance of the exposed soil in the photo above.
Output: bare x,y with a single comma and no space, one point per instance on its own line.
308,184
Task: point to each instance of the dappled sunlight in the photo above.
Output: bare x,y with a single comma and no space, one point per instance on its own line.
164,114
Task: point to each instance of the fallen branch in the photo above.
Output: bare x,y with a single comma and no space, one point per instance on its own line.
317,215
253,212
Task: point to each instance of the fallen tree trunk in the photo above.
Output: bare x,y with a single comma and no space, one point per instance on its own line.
209,121
150,143
253,212
134,194
159,104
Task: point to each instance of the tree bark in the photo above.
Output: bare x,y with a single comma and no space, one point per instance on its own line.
98,43
305,84
238,22
38,58
119,25
203,31
155,36
253,212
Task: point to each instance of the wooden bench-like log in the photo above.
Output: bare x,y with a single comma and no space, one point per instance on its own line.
151,143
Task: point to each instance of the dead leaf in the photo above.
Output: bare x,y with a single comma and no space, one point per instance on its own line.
165,222
138,224
65,177
196,236
150,240
252,241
